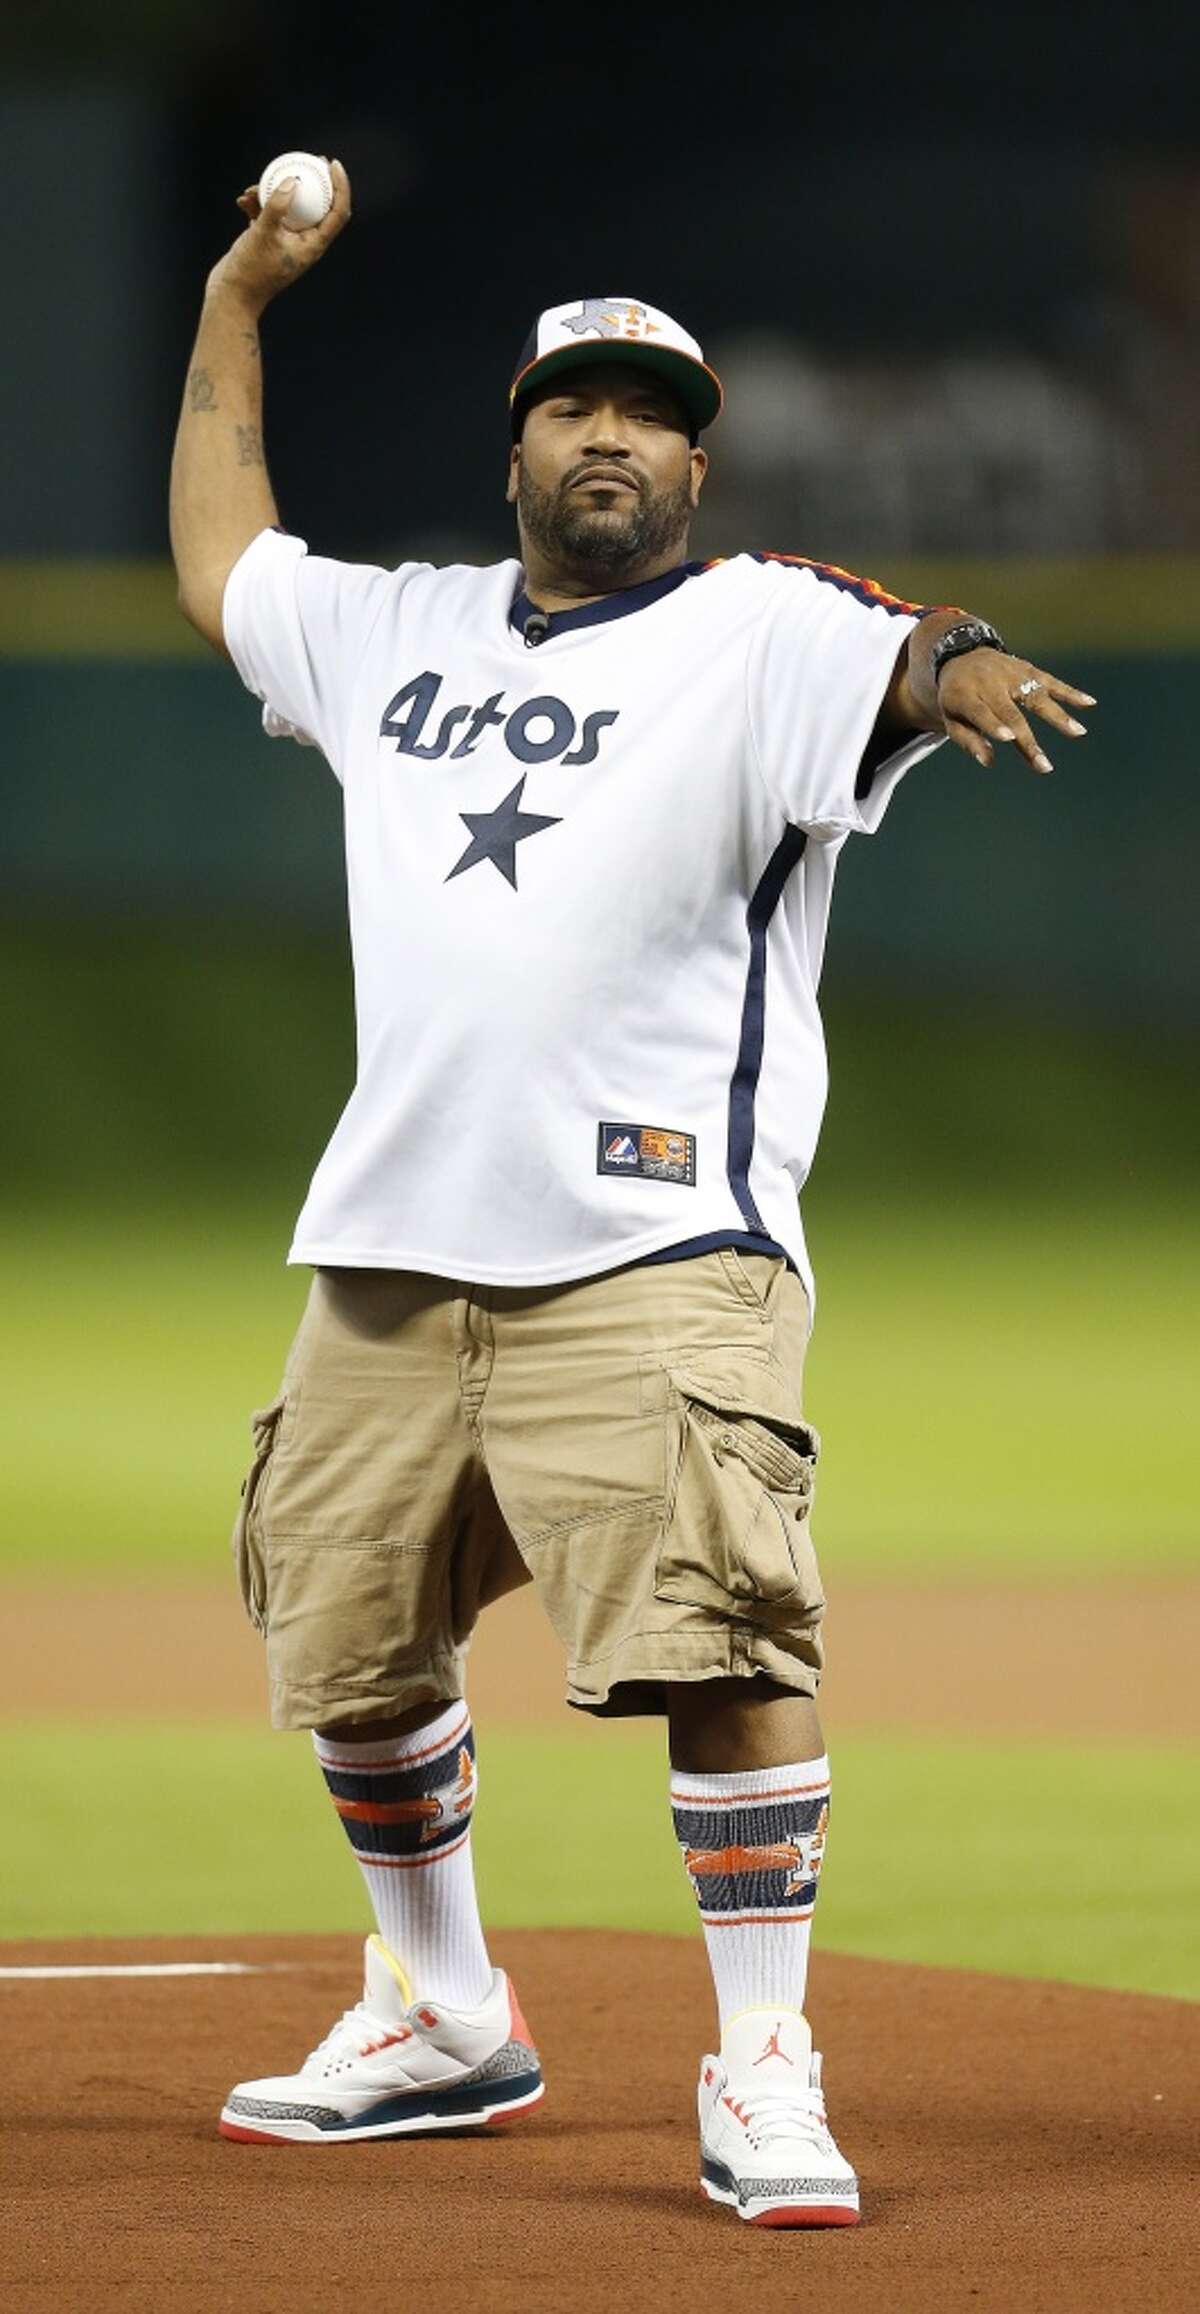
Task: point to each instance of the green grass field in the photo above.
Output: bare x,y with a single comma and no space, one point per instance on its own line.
1033,1860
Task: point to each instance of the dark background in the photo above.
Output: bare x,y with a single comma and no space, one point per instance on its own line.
882,186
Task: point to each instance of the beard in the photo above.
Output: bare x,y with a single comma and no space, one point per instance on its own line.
603,547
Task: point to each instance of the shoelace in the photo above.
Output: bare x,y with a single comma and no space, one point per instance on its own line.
773,2113
354,2027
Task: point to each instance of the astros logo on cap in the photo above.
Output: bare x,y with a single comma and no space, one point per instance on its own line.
565,337
611,317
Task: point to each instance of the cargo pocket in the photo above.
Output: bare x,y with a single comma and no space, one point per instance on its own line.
741,1471
246,1545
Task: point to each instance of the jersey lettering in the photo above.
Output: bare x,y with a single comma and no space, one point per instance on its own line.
452,717
593,725
480,720
407,713
418,696
546,710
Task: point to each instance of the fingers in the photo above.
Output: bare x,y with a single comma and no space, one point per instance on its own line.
1043,699
1011,724
313,239
276,209
1041,703
280,201
972,742
988,705
273,253
1060,690
339,215
341,189
990,726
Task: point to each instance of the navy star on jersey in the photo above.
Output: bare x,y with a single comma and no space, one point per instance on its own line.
496,834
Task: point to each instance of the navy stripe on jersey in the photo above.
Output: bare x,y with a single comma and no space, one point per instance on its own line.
865,590
742,1241
744,1083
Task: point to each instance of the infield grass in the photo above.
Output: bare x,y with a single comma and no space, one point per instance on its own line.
1030,1860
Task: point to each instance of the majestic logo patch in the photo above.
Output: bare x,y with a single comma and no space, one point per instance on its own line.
611,317
652,1152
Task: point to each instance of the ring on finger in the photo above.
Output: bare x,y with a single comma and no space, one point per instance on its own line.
1026,689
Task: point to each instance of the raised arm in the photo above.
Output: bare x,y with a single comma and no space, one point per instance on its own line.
220,493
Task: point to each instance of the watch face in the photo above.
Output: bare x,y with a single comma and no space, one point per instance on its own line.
968,635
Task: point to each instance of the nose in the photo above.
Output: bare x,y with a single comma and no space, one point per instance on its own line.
606,436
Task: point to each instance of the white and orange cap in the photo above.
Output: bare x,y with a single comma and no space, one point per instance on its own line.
592,329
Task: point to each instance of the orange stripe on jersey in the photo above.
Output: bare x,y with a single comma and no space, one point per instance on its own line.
869,588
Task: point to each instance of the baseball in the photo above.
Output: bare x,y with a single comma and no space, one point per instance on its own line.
312,198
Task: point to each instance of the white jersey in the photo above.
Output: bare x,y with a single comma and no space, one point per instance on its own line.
589,884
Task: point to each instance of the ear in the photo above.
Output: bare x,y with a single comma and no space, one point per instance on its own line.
699,470
514,469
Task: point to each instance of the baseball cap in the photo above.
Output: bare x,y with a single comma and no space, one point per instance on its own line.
610,329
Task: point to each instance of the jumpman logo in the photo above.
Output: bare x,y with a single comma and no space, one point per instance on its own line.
773,2049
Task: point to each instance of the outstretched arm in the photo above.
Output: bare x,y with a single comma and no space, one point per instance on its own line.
979,697
220,494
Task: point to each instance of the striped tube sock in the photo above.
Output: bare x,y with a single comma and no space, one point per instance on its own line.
752,1845
406,1805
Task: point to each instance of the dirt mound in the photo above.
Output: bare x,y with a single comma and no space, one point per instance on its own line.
1021,2146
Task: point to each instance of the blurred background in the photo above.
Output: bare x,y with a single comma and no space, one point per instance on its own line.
947,263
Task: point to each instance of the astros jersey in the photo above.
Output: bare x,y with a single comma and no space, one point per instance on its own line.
589,885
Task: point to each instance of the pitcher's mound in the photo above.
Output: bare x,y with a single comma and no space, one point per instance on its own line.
1023,2148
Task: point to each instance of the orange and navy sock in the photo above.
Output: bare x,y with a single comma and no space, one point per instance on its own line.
406,1804
752,1845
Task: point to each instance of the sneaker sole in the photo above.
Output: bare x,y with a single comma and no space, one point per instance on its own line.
438,2112
768,2213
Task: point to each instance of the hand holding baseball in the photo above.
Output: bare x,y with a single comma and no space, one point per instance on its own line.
271,254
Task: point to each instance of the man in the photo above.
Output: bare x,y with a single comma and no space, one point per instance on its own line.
594,801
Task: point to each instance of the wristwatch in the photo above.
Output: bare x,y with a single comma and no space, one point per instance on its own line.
965,635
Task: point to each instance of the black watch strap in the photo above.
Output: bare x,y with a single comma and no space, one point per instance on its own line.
965,635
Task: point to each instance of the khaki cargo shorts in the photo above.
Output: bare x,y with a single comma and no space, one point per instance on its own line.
633,1443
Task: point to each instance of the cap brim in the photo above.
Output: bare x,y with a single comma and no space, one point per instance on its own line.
698,387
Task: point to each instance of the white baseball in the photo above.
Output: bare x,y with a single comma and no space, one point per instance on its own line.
312,197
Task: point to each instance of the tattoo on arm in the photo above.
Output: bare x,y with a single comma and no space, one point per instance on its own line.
249,446
202,393
250,341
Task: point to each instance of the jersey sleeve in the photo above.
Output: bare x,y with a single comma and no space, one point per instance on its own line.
821,659
296,626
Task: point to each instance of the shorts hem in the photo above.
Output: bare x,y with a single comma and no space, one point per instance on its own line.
629,1683
340,1703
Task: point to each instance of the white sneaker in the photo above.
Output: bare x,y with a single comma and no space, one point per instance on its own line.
392,2065
765,2146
